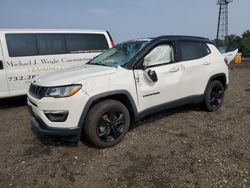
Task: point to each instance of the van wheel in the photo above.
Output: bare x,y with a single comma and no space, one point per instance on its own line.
107,123
214,96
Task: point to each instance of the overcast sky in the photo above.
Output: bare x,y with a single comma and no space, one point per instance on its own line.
125,19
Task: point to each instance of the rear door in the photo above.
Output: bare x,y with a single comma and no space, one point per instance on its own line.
196,64
4,89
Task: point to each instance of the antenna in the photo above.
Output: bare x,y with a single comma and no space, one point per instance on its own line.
222,28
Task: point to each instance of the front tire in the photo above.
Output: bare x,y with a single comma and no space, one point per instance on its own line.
107,123
214,96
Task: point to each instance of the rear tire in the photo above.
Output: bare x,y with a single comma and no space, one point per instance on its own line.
214,96
107,123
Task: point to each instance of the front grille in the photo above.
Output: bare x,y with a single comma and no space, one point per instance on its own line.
36,91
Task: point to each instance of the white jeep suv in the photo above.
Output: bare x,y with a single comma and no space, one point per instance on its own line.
126,83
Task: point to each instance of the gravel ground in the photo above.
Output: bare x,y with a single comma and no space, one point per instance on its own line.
185,147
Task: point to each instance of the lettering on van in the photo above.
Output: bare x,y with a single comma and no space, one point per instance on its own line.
43,61
51,68
20,63
21,78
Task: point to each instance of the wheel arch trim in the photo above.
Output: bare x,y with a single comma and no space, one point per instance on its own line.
216,76
94,98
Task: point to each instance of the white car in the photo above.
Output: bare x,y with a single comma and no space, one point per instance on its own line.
28,53
126,83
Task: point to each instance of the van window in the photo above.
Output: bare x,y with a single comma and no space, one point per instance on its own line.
85,42
51,44
193,50
21,44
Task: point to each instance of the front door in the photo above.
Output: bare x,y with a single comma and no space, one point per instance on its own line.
159,82
4,89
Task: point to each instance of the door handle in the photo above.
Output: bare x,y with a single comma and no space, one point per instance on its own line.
174,69
206,63
1,64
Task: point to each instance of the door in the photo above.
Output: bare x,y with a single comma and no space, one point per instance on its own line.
4,89
159,82
196,67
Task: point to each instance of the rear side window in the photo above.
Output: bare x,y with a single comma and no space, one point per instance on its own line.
86,42
21,44
193,50
48,44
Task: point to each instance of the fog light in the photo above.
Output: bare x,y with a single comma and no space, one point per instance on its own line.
56,116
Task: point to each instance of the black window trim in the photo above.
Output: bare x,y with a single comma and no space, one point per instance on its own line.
64,36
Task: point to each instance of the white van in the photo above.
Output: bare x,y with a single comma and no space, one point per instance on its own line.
26,54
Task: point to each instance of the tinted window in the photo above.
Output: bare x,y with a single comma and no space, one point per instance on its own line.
51,44
46,44
86,42
193,50
21,44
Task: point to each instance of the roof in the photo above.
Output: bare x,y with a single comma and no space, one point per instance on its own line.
174,38
183,37
51,30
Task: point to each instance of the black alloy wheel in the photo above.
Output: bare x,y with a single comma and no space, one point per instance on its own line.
214,96
107,123
111,126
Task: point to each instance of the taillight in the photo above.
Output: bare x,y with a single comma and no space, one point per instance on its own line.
226,61
112,43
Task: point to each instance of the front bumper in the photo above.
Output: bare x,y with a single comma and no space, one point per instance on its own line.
40,126
41,110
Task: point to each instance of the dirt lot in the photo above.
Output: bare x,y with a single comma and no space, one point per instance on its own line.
185,147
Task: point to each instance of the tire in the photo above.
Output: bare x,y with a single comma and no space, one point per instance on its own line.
214,96
107,123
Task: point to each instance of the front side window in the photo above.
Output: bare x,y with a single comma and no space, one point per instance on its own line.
21,45
159,55
193,50
119,55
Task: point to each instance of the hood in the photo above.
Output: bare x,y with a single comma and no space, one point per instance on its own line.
70,76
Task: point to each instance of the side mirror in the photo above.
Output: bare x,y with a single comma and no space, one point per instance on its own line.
152,75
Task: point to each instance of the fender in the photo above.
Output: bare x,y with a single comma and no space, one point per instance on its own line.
104,95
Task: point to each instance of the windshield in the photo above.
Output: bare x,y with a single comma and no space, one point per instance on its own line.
119,55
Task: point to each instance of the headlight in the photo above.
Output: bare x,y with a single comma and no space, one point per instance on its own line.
62,91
